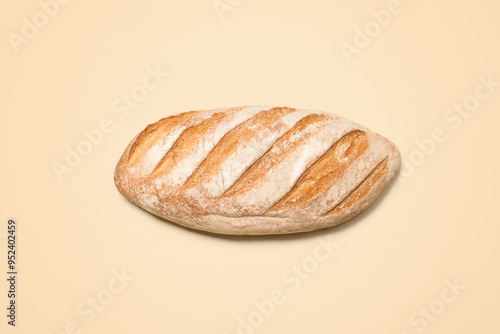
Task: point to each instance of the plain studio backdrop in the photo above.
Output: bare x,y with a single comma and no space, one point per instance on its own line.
81,78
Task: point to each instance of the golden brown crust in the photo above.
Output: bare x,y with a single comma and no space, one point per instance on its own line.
323,173
152,133
361,191
233,140
281,149
185,143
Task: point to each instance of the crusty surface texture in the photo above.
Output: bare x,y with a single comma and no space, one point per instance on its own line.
256,170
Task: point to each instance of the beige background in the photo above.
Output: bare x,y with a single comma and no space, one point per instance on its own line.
439,223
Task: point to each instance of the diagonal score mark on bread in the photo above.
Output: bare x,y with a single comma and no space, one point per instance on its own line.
302,131
362,190
323,173
153,132
185,143
232,141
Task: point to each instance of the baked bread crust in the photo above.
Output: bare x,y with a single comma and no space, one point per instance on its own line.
256,170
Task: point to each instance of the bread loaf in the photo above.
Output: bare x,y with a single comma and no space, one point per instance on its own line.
256,170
